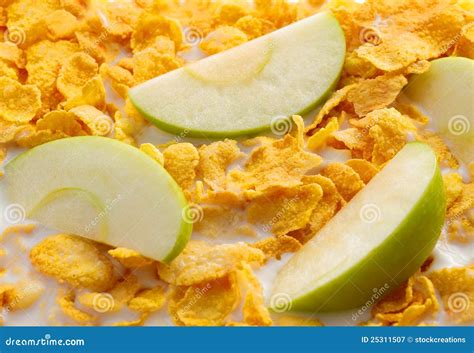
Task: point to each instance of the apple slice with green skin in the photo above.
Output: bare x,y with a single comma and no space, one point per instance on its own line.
239,91
444,93
104,190
379,239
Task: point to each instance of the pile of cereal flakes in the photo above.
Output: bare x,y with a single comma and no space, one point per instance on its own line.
58,56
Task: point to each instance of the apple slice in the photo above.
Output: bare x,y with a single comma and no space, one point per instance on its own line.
240,91
445,93
104,190
379,239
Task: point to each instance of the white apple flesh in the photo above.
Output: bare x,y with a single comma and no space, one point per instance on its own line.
104,190
446,94
240,91
379,239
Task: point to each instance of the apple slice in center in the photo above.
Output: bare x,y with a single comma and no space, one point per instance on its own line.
240,91
104,190
379,239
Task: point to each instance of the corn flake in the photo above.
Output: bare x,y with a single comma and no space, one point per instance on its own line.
200,262
282,209
282,162
277,246
75,73
148,300
207,304
66,302
455,286
181,160
254,310
74,260
222,38
18,103
347,181
214,159
375,93
97,123
113,300
129,258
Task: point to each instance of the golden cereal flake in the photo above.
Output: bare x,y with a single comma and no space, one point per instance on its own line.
207,304
44,60
8,131
74,260
60,121
18,103
181,160
121,79
456,287
327,206
453,186
149,26
61,24
28,136
254,27
413,36
97,123
67,304
388,130
445,157
409,304
364,168
347,181
465,44
149,63
148,300
376,93
220,221
75,73
153,152
281,162
231,12
277,246
214,159
92,93
222,38
129,258
26,19
254,310
9,70
336,98
319,138
282,210
113,300
200,262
